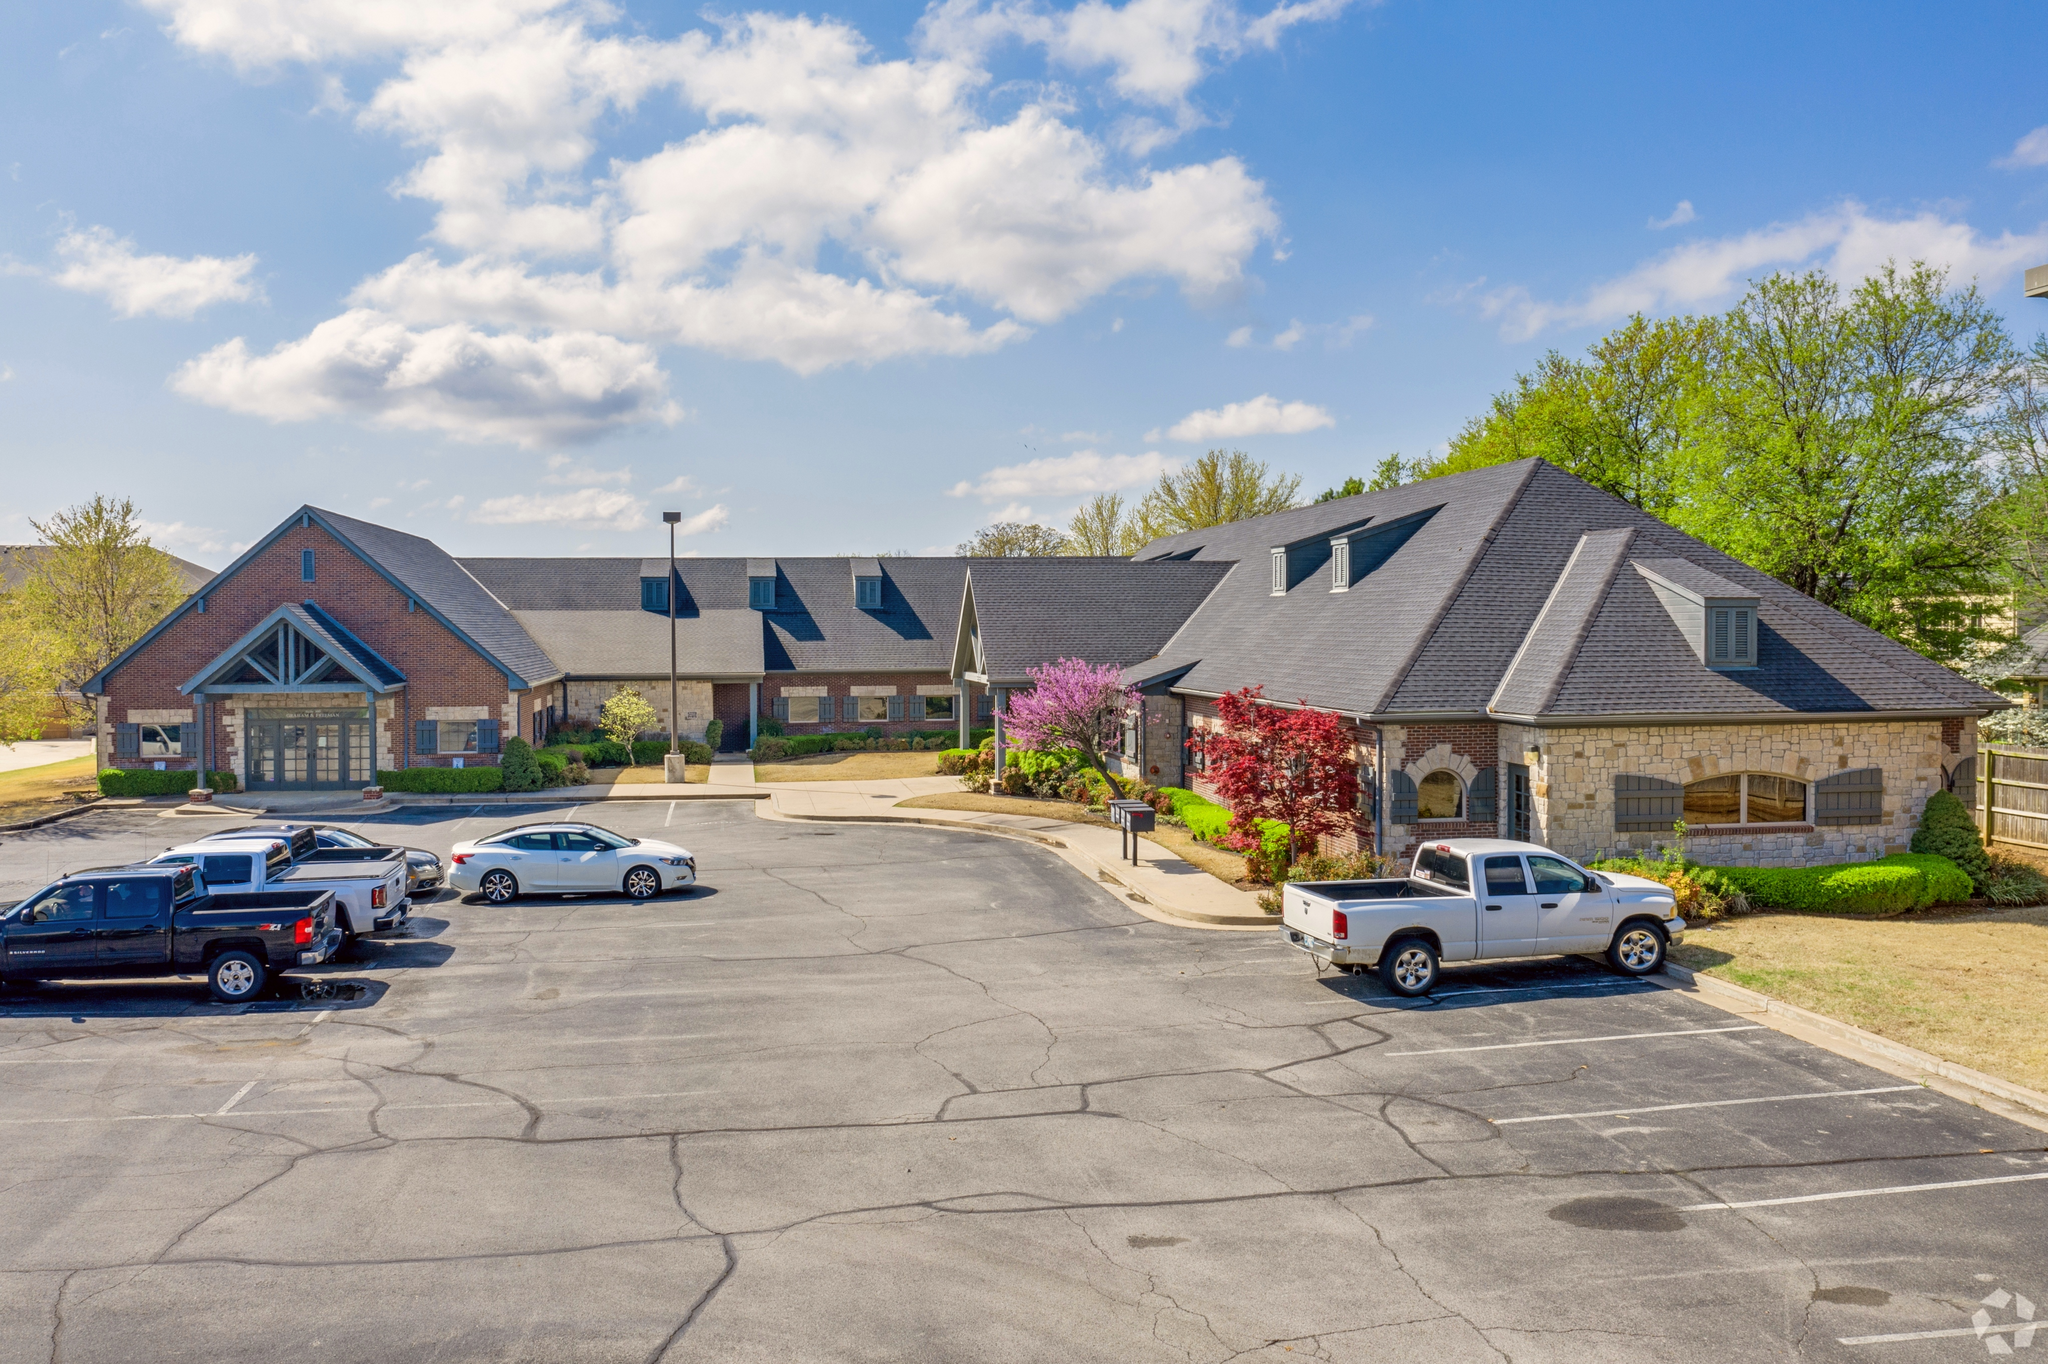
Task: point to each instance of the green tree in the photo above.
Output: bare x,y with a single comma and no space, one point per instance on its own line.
1350,487
1014,540
625,716
96,588
1220,487
1105,528
1845,445
28,680
2022,438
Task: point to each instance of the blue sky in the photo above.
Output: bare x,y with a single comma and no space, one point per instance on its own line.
519,275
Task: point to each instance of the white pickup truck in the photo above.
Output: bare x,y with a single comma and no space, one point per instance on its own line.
369,884
1532,903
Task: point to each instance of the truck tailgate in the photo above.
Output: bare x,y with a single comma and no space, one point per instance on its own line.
1306,912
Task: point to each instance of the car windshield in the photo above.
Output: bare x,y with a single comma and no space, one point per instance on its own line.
342,838
607,838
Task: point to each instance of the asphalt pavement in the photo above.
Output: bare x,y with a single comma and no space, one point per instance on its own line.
888,1093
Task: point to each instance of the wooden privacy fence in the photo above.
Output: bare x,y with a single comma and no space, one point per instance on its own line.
2012,795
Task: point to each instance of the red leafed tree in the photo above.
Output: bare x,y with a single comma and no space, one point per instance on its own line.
1274,763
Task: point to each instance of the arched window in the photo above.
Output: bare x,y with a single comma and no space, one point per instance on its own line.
1440,795
1757,798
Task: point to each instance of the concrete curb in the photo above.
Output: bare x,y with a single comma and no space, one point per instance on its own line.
40,820
1909,1061
1144,904
554,797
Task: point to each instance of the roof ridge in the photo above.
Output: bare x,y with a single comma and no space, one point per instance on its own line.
1557,588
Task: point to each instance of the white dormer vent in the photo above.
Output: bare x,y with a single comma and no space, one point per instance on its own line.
1299,560
761,584
1717,617
867,584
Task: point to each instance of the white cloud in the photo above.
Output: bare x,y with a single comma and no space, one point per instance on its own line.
561,469
2030,150
682,483
1350,328
703,522
1082,437
1264,415
587,507
1082,472
1849,241
6,374
95,261
175,537
1241,337
377,502
1290,338
1678,217
817,205
454,379
1015,511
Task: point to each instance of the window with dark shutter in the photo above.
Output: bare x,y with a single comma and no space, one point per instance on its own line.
1647,804
426,737
1720,636
1741,652
761,593
127,741
917,708
487,736
654,595
781,708
306,565
1368,797
1480,801
1855,797
1400,798
849,707
895,708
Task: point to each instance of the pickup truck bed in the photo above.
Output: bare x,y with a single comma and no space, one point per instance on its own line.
369,884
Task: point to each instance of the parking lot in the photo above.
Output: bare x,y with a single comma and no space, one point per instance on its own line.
882,1093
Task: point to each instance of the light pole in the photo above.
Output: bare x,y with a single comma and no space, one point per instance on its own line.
672,517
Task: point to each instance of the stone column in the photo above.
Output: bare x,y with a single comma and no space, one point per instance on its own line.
1000,697
965,703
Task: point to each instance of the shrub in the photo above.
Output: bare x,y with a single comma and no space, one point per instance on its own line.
1890,885
553,768
713,731
521,769
128,782
576,774
565,734
1358,866
2012,882
1947,830
651,751
768,750
769,727
1703,894
444,781
605,753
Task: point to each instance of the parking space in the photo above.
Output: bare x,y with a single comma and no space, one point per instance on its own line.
911,1093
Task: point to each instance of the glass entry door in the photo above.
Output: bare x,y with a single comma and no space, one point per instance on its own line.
311,753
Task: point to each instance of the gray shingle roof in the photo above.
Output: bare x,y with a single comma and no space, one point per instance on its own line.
634,644
1034,611
339,640
1435,627
815,626
432,575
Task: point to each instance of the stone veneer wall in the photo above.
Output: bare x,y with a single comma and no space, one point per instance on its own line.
1572,782
586,699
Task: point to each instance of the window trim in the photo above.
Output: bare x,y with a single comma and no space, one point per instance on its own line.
761,594
1464,799
1742,819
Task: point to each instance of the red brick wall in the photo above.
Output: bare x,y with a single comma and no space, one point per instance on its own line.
1201,714
1477,743
729,707
440,669
1952,735
840,685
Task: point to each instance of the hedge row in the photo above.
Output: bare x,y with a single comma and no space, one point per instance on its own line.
773,748
444,781
612,753
127,781
1208,821
1890,885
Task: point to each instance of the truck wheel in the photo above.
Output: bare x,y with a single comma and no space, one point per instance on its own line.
1638,950
1408,967
642,883
236,977
498,887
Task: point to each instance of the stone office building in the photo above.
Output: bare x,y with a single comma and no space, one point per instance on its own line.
334,648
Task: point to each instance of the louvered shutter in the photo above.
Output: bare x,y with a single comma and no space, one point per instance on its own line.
487,736
896,707
1647,805
426,737
1853,797
127,741
1368,794
917,708
1400,798
780,707
849,707
1481,804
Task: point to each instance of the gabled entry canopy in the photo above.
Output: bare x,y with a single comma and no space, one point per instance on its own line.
296,649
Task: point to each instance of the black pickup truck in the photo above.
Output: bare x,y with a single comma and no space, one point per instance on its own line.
160,921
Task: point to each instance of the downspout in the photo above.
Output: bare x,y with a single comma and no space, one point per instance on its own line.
1379,796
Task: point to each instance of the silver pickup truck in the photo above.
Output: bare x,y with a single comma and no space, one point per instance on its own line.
369,884
1531,902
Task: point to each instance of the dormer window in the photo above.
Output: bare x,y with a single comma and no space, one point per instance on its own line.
761,584
654,595
867,584
1340,565
1279,572
1733,637
1717,617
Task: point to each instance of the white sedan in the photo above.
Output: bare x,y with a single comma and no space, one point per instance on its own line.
568,859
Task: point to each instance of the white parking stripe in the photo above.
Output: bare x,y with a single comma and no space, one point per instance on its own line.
671,814
1864,1193
1709,1103
582,1102
1953,1331
240,1094
1524,989
1568,1041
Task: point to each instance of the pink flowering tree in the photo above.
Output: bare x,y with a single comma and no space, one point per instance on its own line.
1074,705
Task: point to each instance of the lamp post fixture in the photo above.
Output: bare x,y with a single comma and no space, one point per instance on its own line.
674,748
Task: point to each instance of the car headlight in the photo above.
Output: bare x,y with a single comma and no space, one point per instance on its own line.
679,861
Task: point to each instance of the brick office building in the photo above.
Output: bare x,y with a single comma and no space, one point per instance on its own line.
1520,654
334,648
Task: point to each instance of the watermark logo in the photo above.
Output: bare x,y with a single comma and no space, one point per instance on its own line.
1994,1332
